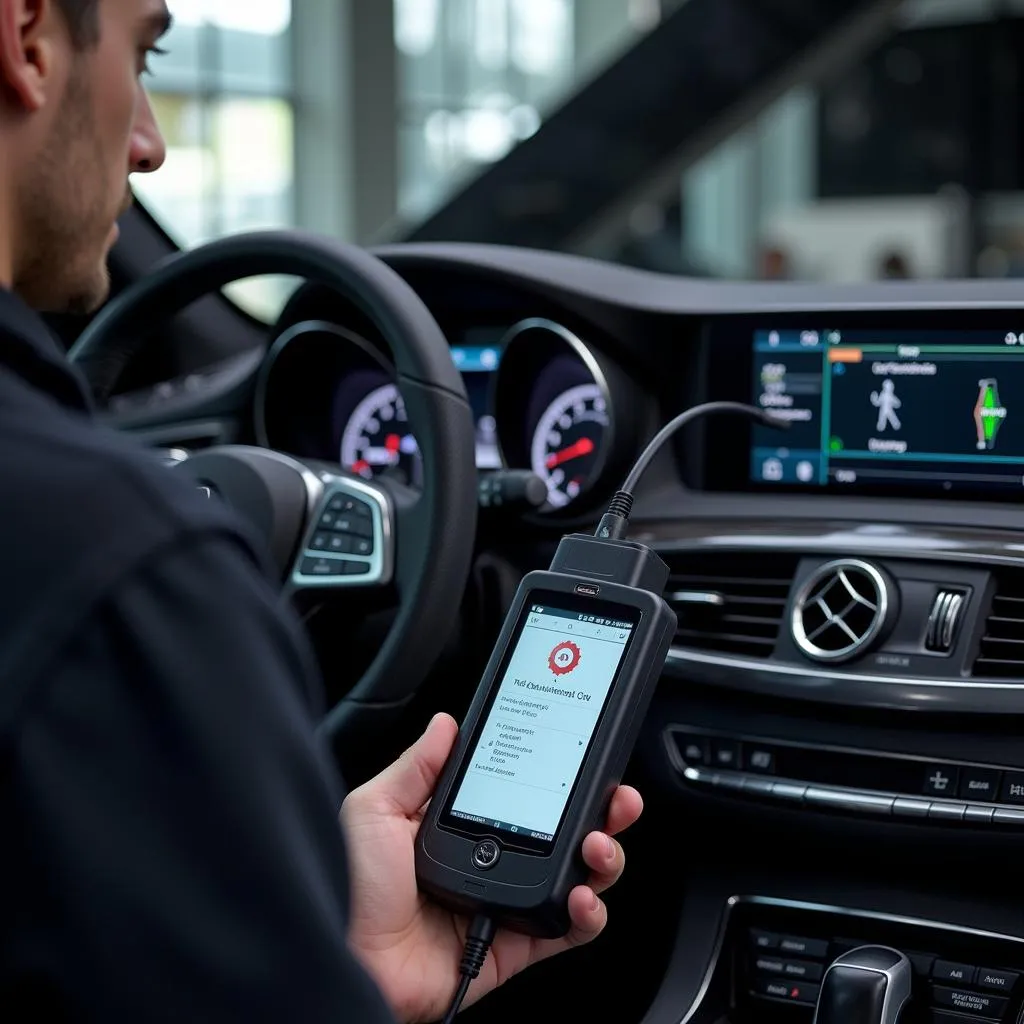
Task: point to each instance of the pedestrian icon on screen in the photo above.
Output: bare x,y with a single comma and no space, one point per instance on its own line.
886,402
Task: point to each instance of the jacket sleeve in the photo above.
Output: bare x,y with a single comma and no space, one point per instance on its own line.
175,851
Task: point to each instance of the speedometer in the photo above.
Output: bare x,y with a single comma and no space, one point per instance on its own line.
568,444
377,439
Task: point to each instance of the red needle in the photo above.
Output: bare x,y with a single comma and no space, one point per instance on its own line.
584,446
393,443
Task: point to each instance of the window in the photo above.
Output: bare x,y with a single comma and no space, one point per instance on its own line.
222,97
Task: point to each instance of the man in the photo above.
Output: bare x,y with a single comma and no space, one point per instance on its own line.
171,847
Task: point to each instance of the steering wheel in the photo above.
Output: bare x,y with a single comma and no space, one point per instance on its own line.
325,529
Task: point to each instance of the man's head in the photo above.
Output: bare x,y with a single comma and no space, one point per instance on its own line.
75,121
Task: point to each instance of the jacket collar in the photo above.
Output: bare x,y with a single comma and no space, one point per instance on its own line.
29,350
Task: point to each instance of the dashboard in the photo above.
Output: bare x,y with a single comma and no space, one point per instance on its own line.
542,398
847,679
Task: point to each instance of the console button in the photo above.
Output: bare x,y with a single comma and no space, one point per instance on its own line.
946,970
725,754
791,991
978,815
802,970
757,758
763,940
692,749
997,981
940,780
979,1003
908,807
768,964
1012,791
816,949
947,811
1008,816
979,783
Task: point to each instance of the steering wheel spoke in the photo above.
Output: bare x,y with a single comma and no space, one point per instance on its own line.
349,540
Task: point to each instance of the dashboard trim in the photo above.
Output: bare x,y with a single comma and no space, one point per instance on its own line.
860,689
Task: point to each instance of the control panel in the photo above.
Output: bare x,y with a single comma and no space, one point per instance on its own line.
849,781
778,955
772,955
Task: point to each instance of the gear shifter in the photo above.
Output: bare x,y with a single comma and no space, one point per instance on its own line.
868,985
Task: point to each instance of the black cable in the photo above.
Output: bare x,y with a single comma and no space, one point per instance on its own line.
614,522
478,943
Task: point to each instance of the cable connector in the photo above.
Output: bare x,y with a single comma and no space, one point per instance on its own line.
474,955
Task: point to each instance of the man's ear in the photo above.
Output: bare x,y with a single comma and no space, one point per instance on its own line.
31,34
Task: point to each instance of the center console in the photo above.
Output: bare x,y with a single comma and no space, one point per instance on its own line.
772,955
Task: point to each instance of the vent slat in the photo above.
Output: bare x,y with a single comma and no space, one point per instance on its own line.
1001,650
755,589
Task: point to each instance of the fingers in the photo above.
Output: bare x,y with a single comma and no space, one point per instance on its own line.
625,808
602,854
605,858
407,784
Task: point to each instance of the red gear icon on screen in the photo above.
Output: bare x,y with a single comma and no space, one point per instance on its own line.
564,658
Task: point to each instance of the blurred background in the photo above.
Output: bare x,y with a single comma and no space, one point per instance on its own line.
822,140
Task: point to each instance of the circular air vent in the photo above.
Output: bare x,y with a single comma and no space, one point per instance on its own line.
840,610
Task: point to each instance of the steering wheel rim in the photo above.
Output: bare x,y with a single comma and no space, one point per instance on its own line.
438,533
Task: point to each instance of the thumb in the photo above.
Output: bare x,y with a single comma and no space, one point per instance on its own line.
409,783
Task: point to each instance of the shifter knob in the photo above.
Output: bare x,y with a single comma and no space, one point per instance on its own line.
868,985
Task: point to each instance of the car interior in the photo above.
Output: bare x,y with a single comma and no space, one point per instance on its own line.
832,759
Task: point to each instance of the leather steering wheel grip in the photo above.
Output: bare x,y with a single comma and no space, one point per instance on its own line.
436,546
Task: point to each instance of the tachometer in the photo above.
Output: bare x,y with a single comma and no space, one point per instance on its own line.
567,447
377,439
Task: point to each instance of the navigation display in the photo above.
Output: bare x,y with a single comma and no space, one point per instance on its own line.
942,410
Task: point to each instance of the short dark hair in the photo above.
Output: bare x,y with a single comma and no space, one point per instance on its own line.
82,17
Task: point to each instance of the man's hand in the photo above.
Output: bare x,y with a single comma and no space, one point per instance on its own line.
412,947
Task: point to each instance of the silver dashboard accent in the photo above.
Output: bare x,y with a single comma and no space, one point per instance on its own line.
944,619
881,690
839,610
855,801
589,361
700,598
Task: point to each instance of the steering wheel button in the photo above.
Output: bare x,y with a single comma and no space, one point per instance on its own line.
327,521
341,544
320,542
356,525
362,545
357,568
322,567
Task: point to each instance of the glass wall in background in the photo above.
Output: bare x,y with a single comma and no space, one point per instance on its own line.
477,77
909,164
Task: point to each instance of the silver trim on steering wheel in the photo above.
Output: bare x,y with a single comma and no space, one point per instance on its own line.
349,540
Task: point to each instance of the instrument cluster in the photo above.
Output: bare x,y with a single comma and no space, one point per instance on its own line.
542,400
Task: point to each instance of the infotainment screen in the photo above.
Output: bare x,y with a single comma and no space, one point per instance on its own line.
937,410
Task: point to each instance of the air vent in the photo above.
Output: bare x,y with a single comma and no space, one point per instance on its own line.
1001,654
730,602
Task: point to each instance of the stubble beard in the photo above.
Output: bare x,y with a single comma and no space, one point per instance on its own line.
65,217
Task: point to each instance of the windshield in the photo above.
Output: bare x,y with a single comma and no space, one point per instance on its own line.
874,140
